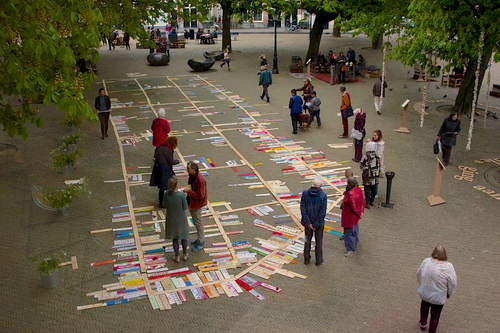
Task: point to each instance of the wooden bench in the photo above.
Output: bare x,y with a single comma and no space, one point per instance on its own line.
178,44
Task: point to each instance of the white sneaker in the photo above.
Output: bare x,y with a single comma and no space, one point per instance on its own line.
349,254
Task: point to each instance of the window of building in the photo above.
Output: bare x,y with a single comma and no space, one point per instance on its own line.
257,17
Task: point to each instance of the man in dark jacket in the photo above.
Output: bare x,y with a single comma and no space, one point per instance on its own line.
103,107
448,136
378,95
313,210
295,105
265,80
197,199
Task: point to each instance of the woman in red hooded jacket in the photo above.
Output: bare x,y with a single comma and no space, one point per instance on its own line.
353,206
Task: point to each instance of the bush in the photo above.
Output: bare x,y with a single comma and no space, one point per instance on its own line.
46,264
66,153
62,198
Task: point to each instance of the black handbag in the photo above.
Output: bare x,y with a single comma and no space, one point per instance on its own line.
437,147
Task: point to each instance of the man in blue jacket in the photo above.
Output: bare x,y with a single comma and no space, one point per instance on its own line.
313,210
295,105
265,80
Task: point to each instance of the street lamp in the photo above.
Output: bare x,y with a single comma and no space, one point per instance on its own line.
275,57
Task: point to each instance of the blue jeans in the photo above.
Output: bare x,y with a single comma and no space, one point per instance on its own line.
351,238
315,114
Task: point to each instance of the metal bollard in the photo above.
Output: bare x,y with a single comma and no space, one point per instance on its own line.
388,175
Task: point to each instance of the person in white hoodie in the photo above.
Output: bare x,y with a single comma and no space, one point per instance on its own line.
437,281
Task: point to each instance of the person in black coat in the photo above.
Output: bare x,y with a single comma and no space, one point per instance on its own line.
448,136
163,166
103,107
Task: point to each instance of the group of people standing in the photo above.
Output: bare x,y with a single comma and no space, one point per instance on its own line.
303,110
175,201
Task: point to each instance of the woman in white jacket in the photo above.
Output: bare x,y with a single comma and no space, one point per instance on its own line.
437,281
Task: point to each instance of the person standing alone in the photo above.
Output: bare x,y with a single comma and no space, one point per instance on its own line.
295,105
437,281
265,80
226,60
448,136
126,40
346,111
197,199
353,206
313,210
103,107
378,95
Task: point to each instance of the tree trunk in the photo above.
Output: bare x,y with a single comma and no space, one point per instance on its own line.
226,24
463,101
316,33
336,29
377,41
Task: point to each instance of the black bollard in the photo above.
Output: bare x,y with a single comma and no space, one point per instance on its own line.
388,175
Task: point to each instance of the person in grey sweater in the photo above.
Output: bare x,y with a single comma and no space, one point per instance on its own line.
313,107
437,281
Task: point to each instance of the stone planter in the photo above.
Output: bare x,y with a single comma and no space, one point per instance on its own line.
51,280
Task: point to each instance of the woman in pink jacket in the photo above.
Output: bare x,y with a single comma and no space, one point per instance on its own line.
353,206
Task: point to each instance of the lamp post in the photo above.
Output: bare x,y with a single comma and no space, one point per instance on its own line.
275,57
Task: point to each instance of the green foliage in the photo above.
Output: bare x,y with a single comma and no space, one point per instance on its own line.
72,121
46,264
66,154
63,197
42,41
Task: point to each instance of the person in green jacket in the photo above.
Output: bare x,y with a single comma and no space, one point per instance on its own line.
265,80
176,226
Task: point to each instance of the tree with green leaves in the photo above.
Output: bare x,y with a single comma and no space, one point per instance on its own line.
41,44
451,30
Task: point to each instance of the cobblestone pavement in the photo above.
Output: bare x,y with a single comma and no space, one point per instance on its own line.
374,291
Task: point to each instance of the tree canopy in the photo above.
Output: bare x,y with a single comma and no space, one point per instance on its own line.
41,44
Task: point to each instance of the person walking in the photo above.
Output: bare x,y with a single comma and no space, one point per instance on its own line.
353,206
163,166
103,107
345,112
197,199
265,80
377,138
437,281
263,60
126,40
176,226
370,166
448,136
295,105
313,210
358,134
314,109
226,60
379,94
160,128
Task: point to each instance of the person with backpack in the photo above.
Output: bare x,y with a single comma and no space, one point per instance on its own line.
370,166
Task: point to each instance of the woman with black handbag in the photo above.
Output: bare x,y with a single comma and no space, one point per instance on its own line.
346,111
163,167
447,135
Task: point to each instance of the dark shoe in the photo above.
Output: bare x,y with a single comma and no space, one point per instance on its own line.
367,206
294,132
102,137
262,97
106,135
422,327
371,204
355,160
307,261
319,263
268,100
341,238
379,113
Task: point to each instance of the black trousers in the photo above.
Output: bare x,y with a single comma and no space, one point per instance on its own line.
318,249
295,122
104,120
446,153
265,91
370,193
175,243
435,314
342,76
